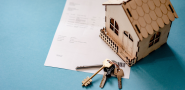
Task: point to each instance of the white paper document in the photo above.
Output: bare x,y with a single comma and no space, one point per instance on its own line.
77,42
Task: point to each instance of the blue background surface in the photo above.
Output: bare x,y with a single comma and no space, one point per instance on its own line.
27,28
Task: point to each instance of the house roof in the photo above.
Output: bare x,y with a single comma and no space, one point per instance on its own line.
114,2
148,16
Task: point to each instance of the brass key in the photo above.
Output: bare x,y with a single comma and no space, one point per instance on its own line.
106,63
119,74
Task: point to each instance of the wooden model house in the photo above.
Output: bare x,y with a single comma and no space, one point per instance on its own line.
135,28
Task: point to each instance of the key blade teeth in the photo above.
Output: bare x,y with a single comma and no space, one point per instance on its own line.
119,75
103,80
87,82
120,84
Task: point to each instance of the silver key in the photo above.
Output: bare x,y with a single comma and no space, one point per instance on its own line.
103,80
85,67
120,64
107,73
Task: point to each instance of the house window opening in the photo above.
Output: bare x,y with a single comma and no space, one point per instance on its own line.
155,39
171,8
105,7
137,28
128,35
114,26
129,12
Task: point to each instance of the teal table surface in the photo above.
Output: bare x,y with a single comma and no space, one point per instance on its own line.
27,28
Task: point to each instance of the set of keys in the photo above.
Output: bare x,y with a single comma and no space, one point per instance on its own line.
109,68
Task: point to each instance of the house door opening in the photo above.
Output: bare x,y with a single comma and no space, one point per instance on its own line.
127,42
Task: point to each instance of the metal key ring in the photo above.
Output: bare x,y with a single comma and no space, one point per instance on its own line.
114,64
